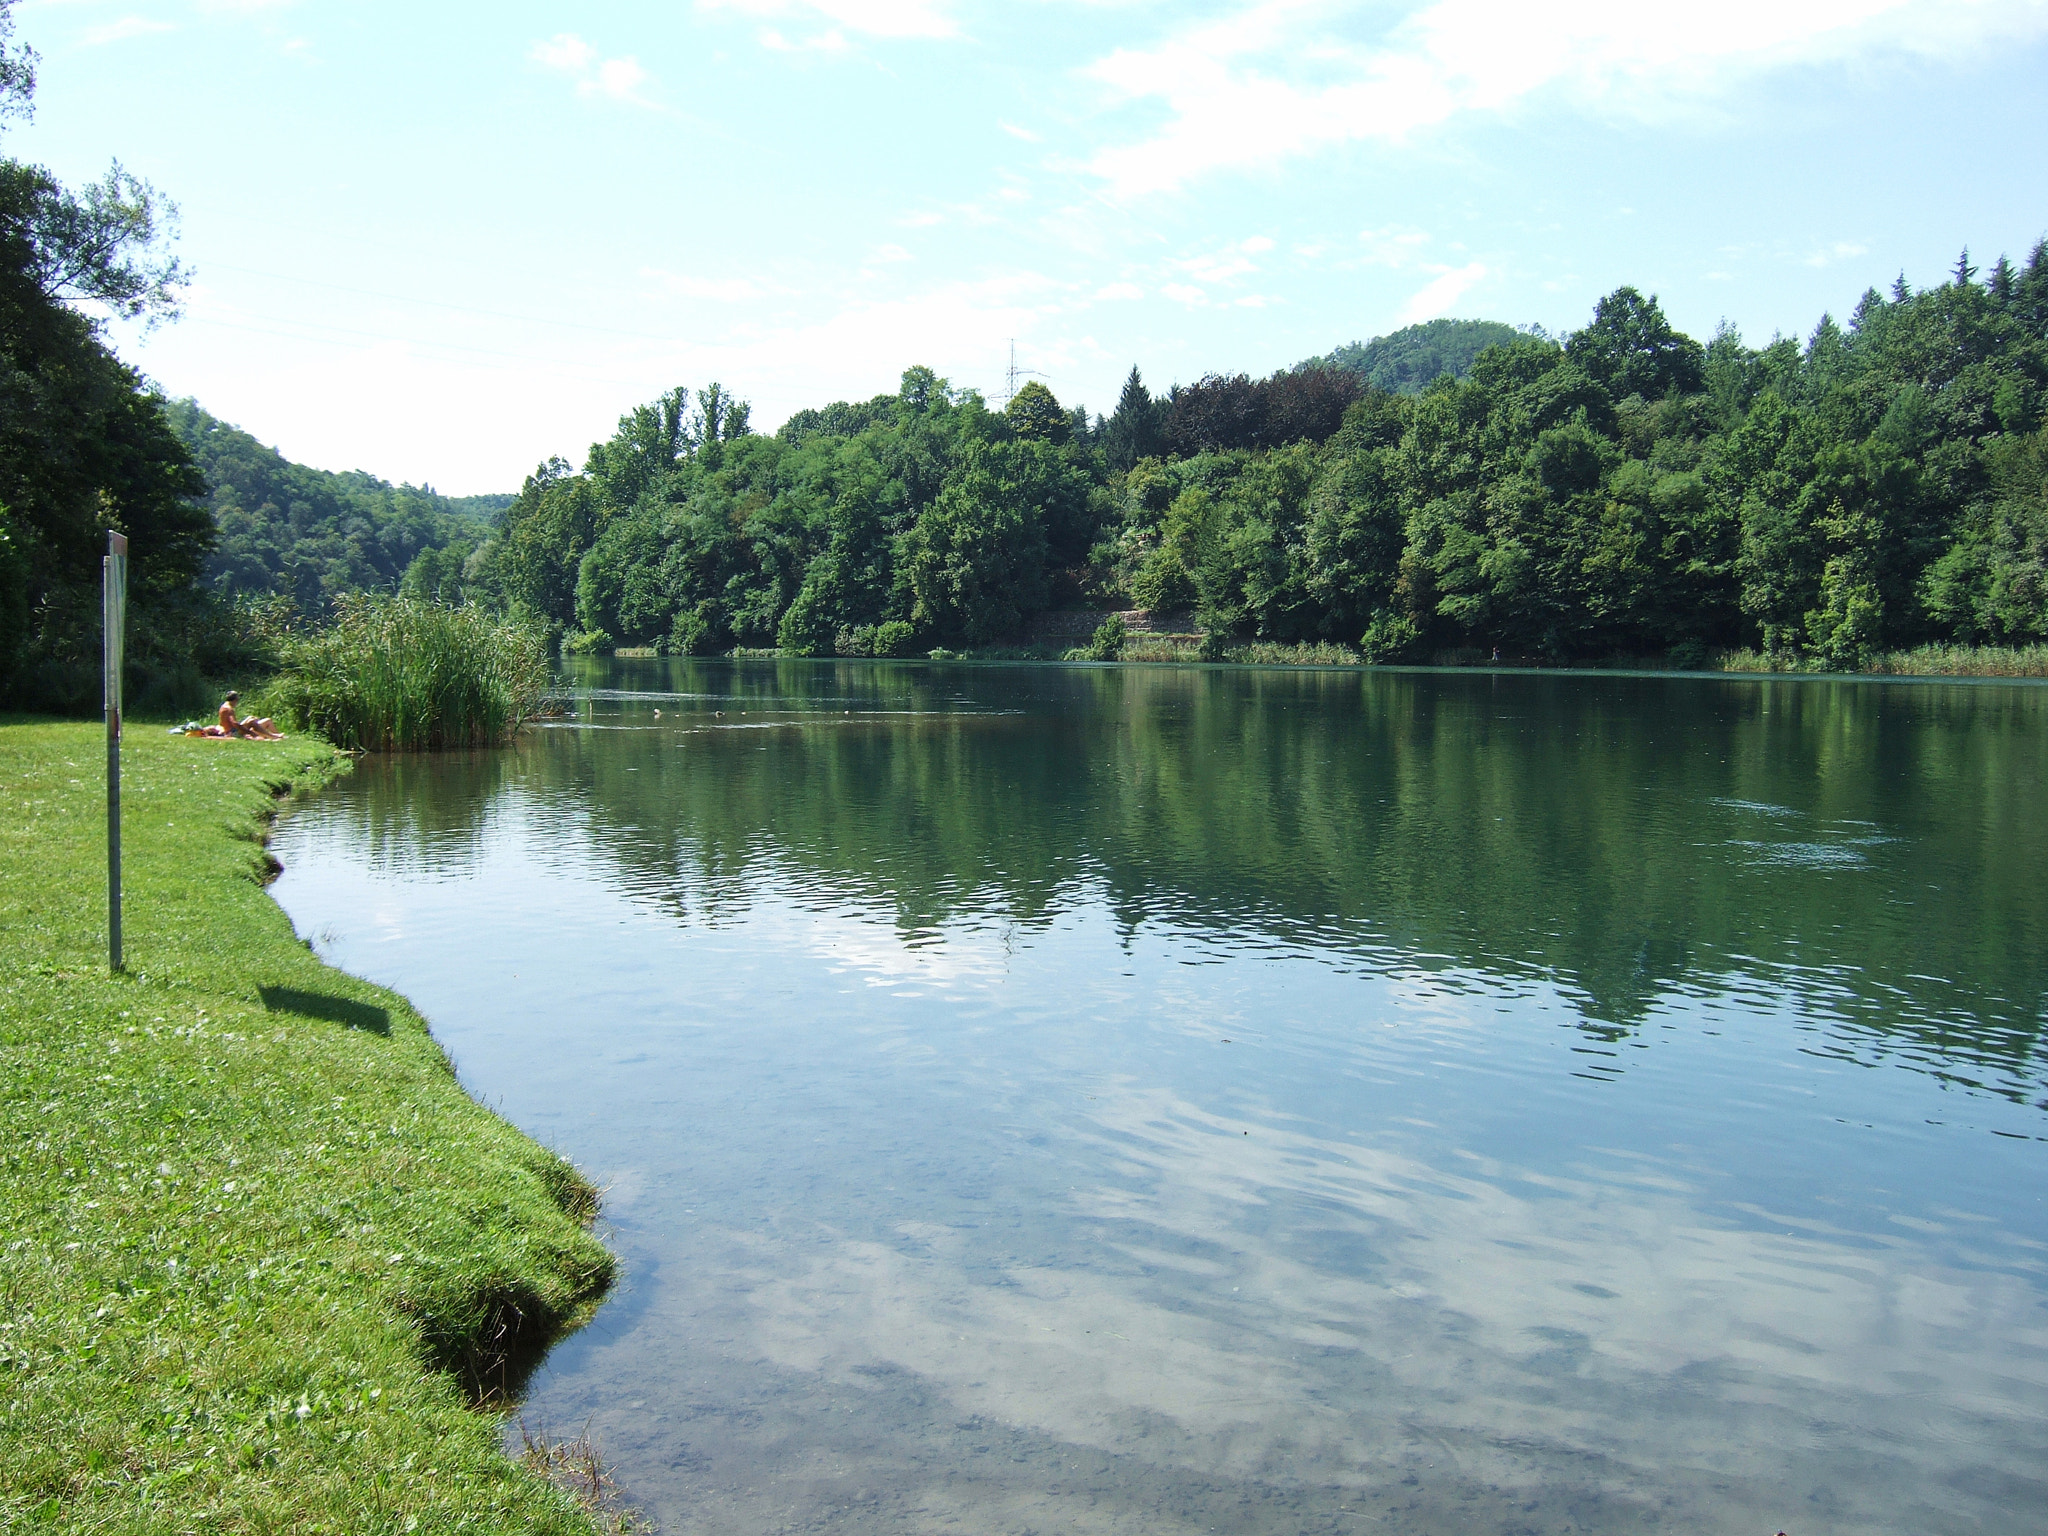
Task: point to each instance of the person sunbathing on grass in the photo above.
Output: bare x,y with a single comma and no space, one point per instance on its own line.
249,727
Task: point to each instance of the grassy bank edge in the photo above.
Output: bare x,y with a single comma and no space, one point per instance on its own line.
263,1251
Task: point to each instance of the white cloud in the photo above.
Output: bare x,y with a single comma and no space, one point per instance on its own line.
830,41
1467,1261
1117,291
618,79
1841,250
1184,293
871,18
1233,261
1441,295
1279,78
565,52
1019,133
122,30
1394,246
1220,268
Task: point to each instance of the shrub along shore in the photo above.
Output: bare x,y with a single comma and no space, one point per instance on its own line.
263,1255
401,674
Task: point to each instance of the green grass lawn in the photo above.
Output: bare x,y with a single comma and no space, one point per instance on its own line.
258,1249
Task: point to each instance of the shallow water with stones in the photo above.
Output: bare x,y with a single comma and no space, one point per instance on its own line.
1174,1100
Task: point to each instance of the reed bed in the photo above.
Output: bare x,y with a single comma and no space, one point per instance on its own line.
1921,661
1319,653
395,674
1160,648
1755,661
1965,661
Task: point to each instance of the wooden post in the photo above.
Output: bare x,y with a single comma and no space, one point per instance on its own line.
114,614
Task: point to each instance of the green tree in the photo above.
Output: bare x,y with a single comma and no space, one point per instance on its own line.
106,245
1631,349
1764,469
1034,412
1107,644
718,419
1628,492
1844,630
975,560
619,586
1410,360
550,526
436,576
1350,545
84,441
806,628
1991,584
850,584
17,70
1135,430
286,528
651,441
14,594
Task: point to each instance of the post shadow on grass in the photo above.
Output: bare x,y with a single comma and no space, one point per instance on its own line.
323,1005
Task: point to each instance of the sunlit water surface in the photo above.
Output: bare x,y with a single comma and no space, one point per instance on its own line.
1036,1099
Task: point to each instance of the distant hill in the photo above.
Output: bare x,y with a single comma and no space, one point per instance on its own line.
285,527
481,510
1406,362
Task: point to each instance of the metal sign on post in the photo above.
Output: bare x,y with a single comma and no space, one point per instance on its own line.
114,613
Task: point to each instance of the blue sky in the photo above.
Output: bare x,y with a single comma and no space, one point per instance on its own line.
442,241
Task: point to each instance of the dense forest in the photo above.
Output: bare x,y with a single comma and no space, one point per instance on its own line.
84,443
87,445
310,534
1628,490
1410,360
1460,487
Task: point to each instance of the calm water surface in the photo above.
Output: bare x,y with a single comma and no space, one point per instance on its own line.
1146,1100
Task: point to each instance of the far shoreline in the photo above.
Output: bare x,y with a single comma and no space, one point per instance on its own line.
1318,659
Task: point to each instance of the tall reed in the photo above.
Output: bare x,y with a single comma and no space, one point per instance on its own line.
395,674
1923,661
1965,661
1319,653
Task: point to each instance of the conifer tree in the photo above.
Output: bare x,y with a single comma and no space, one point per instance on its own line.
1133,433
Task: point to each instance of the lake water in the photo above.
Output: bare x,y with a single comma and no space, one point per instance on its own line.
1191,1100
